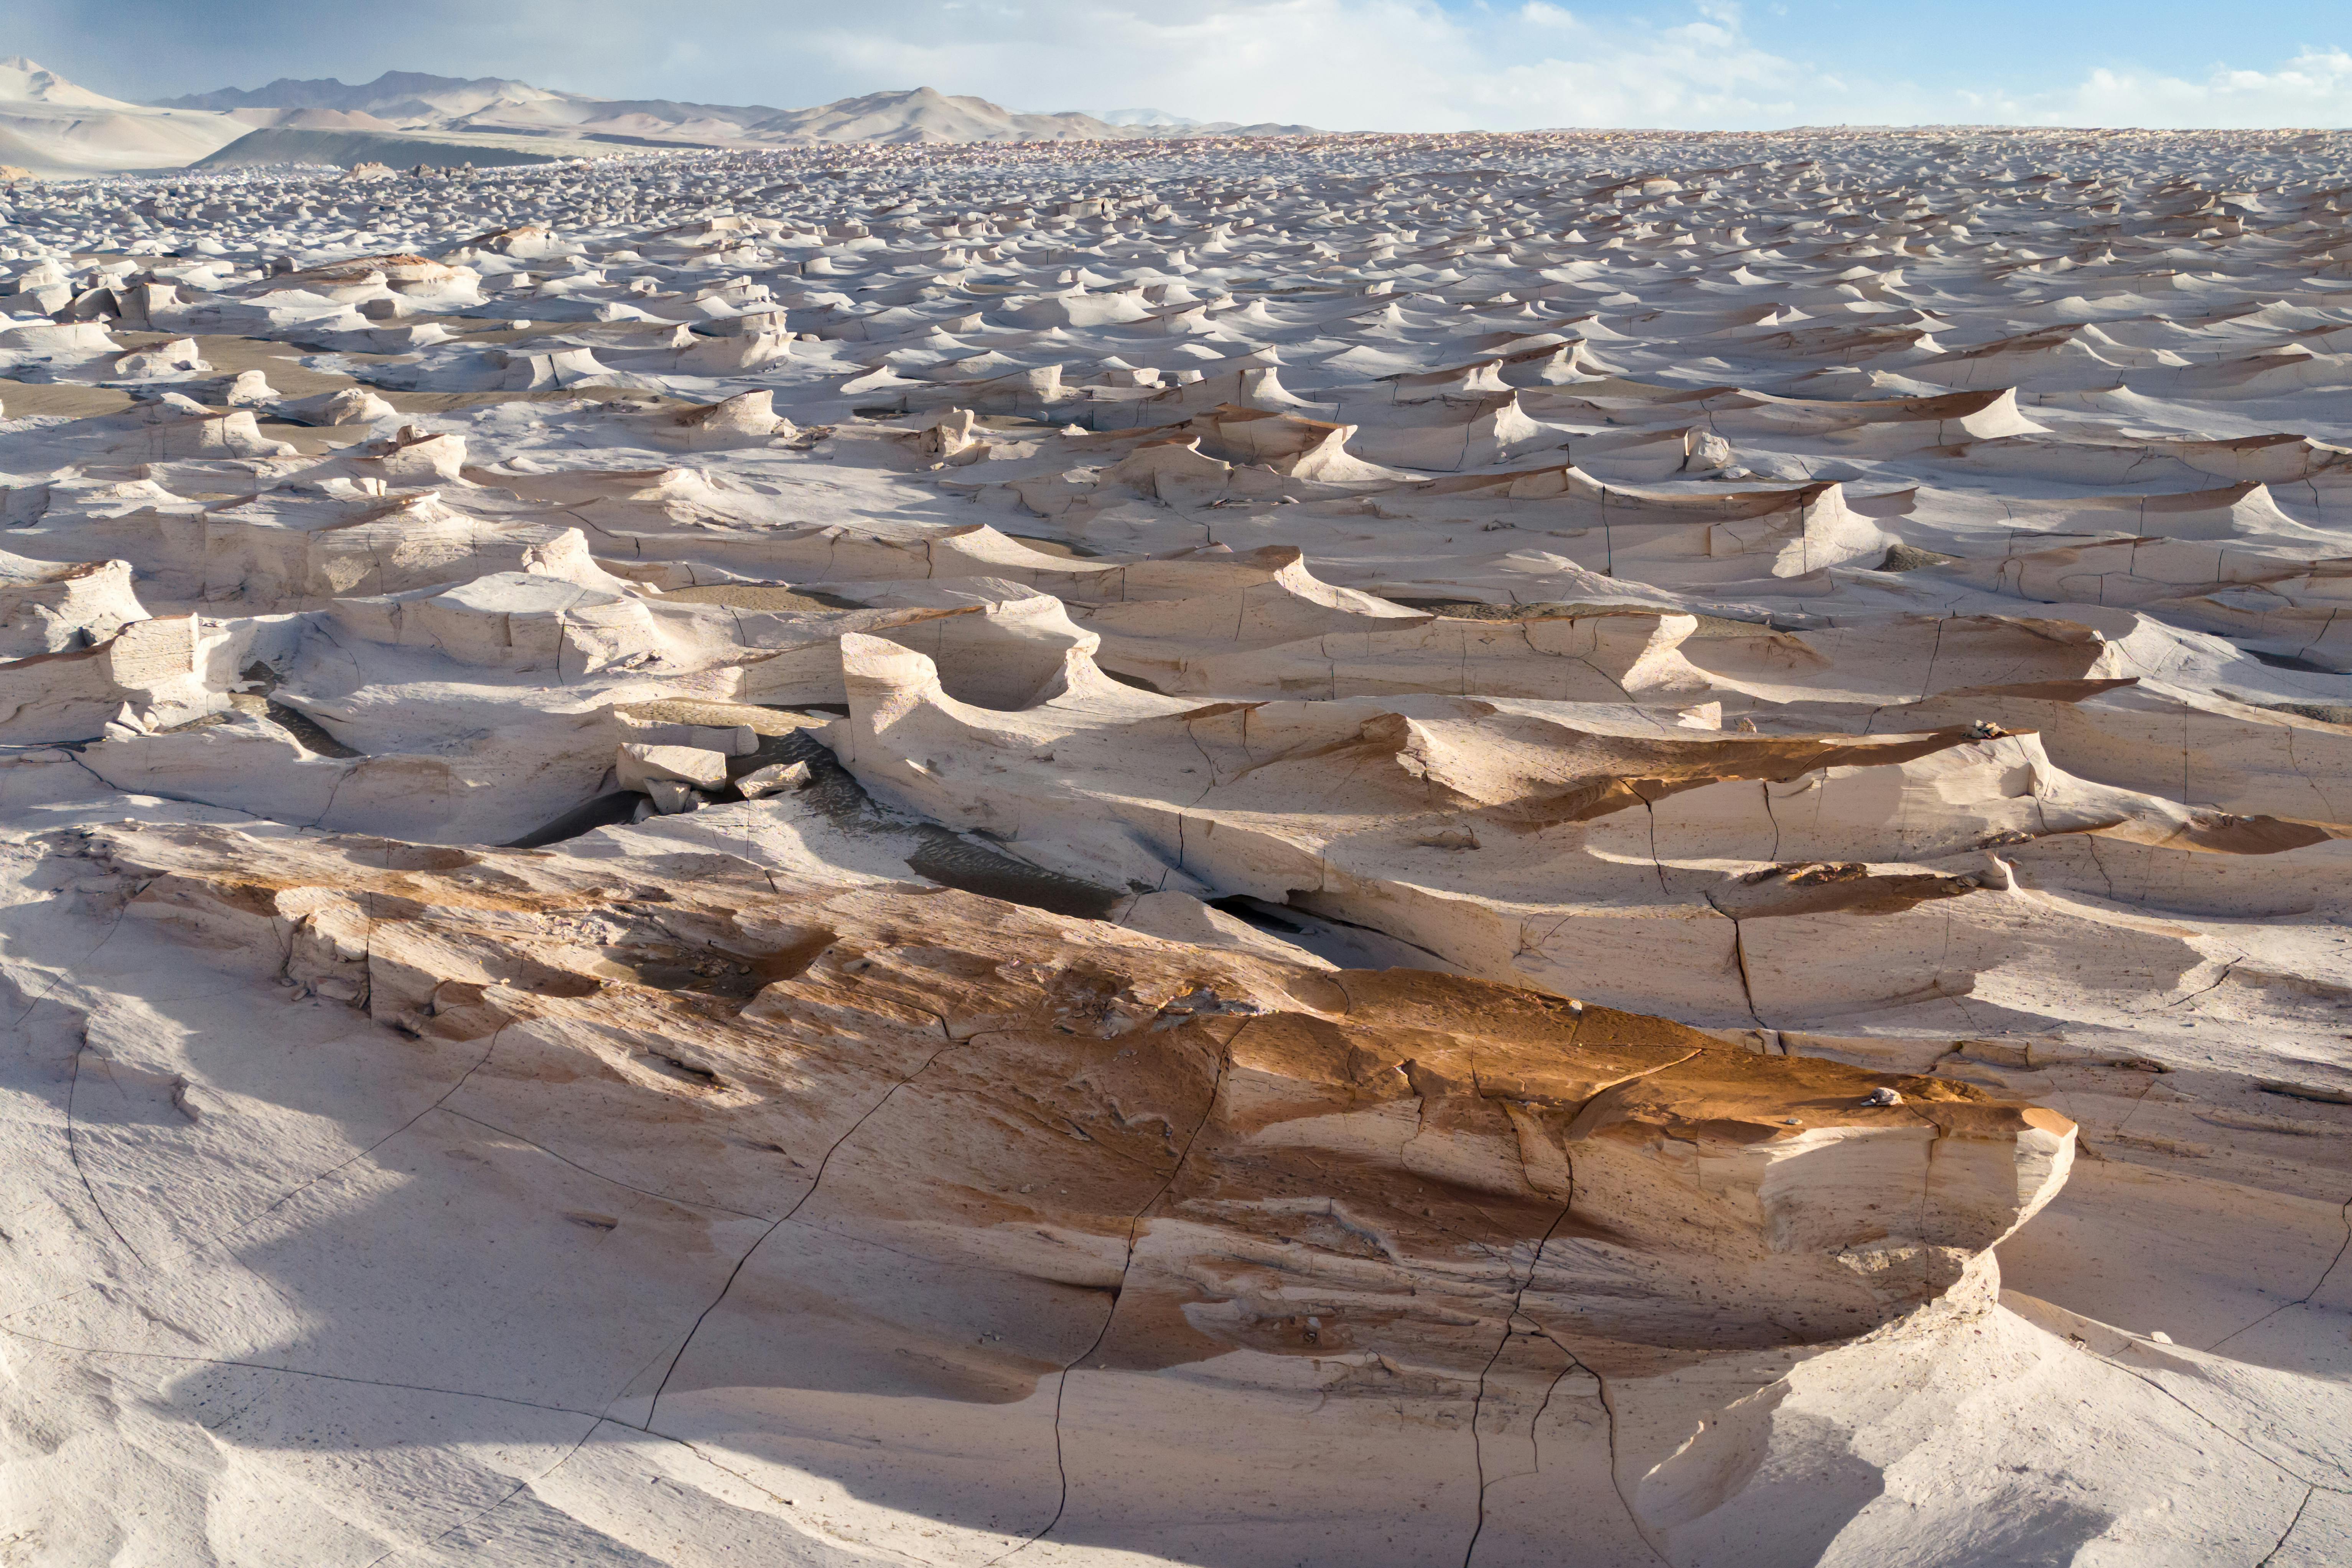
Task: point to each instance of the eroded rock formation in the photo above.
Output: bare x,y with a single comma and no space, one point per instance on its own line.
1443,850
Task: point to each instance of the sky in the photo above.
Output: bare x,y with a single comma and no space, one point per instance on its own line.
1389,65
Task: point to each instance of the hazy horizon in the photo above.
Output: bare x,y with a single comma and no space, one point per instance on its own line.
1379,65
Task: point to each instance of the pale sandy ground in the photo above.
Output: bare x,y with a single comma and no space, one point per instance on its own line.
1183,853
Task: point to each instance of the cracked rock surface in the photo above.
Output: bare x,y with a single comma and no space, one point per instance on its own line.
1484,850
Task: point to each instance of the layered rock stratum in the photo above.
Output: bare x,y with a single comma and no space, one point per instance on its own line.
1592,848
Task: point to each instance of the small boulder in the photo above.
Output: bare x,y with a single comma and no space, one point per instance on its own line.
638,767
773,779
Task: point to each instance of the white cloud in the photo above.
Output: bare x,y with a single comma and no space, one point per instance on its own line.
1405,65
1410,65
2314,89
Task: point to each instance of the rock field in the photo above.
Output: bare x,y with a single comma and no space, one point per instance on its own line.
1572,849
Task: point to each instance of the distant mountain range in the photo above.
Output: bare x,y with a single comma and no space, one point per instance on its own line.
394,95
55,128
444,106
1157,118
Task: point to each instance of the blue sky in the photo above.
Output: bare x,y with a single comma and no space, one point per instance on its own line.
2026,46
1420,65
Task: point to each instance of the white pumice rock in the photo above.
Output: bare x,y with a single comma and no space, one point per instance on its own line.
169,669
349,406
670,795
775,777
638,765
49,609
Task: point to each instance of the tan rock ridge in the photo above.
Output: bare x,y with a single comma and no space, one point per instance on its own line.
1436,1120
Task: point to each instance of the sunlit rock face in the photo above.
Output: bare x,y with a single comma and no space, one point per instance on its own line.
1558,849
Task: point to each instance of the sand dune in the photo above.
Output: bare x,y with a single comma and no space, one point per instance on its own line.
50,126
1574,848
